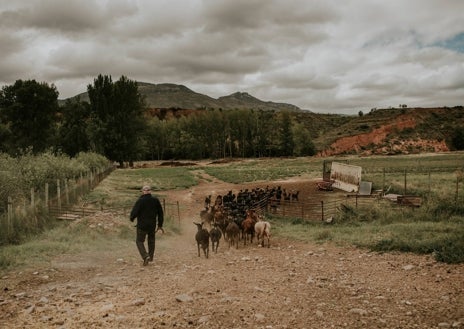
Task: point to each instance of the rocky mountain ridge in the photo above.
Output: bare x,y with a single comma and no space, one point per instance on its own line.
174,96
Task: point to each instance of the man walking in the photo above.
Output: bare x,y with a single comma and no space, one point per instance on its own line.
148,210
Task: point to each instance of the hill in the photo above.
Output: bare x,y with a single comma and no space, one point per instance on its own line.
173,96
382,131
394,131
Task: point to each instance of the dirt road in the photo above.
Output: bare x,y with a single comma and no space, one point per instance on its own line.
289,285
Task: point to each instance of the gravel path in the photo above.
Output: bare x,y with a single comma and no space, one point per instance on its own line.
289,285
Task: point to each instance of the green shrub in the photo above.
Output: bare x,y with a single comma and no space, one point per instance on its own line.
28,171
447,208
92,161
18,175
23,227
451,250
447,248
324,235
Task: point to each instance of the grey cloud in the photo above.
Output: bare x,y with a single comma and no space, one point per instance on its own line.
236,15
10,71
236,66
299,79
319,55
256,14
10,44
71,16
56,15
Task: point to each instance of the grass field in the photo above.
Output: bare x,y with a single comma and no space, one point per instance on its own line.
437,227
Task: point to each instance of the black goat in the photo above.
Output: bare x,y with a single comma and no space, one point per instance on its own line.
202,238
207,201
215,235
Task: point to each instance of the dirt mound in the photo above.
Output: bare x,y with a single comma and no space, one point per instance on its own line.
289,285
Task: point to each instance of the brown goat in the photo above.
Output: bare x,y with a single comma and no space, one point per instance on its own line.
232,234
206,216
248,225
295,195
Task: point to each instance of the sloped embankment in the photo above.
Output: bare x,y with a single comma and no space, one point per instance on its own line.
386,140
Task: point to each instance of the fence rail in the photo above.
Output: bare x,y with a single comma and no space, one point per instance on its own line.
57,198
316,209
70,212
322,210
171,210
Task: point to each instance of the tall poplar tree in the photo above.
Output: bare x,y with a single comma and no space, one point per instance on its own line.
73,136
286,135
117,123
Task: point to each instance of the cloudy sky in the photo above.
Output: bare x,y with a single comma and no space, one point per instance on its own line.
327,56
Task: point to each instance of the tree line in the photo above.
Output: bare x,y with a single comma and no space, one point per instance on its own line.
116,123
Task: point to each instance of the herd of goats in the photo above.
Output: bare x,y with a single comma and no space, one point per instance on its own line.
238,217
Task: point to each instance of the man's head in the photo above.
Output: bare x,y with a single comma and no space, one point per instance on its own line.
146,189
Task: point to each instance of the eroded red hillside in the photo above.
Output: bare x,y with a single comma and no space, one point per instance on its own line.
378,142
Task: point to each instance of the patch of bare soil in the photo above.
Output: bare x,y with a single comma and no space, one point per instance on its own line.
289,285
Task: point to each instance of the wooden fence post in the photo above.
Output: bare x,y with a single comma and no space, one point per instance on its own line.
178,211
73,190
10,215
92,178
457,190
33,207
383,182
32,199
322,210
66,191
58,193
405,181
430,183
46,197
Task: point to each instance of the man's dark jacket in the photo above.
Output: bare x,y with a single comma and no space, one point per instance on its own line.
147,209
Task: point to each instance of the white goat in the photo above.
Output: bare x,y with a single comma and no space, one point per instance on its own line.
263,230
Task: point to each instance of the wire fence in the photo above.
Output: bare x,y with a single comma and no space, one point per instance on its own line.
322,208
58,199
434,181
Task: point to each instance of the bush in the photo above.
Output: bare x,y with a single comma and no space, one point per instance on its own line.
457,139
448,248
21,228
19,175
446,209
32,171
92,161
451,251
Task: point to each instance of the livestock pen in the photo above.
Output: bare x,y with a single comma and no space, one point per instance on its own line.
318,208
